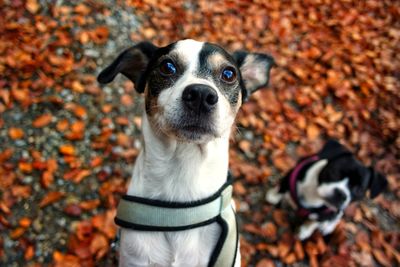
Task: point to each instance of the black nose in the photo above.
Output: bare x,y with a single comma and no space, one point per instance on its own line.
200,97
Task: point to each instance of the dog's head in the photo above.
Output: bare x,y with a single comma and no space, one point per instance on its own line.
192,89
346,179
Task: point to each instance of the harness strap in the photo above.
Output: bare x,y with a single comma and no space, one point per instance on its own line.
170,216
293,184
153,215
226,250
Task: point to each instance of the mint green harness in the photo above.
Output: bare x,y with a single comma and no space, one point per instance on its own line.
144,214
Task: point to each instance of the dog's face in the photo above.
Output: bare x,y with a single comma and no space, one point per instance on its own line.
346,179
193,90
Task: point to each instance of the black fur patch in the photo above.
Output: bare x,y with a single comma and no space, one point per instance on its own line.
207,70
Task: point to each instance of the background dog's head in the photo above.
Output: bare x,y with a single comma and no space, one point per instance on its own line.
192,89
346,179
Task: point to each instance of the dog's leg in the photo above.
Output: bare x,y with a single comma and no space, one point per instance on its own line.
329,226
273,196
307,229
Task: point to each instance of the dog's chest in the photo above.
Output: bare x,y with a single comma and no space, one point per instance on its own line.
184,248
308,188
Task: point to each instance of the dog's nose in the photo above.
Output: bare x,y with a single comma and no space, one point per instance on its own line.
200,97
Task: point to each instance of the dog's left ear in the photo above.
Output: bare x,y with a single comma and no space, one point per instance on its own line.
377,183
333,149
131,63
254,69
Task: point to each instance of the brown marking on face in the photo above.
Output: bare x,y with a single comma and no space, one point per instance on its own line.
216,60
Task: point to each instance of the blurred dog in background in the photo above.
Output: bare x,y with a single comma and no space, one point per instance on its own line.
321,186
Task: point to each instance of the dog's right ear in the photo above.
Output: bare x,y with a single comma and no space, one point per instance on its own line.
131,63
333,149
377,183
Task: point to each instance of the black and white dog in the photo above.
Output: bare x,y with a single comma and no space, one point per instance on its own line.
193,91
321,186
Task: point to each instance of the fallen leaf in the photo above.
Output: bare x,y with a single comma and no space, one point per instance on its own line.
50,198
15,133
42,120
67,150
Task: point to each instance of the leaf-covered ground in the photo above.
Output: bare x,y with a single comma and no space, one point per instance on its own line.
67,146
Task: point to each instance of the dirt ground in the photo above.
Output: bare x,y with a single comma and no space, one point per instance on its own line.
68,145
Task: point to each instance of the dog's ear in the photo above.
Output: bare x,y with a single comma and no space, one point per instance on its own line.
377,183
131,63
254,69
333,149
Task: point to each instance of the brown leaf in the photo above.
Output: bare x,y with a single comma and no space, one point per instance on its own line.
269,231
67,150
29,253
62,125
25,222
105,223
284,249
312,131
25,167
280,218
15,133
99,246
42,120
289,259
298,250
381,257
73,210
50,198
32,6
89,204
17,233
96,161
265,263
77,87
47,179
84,230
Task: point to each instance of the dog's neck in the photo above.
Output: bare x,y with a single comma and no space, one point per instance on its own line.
169,170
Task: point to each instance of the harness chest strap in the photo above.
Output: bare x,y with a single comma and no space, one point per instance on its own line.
153,215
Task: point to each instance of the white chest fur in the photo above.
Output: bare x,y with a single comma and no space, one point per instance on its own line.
171,171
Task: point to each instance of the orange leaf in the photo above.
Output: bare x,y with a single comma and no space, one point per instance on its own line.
298,250
81,175
269,230
32,6
17,233
265,263
15,133
77,87
25,222
105,223
89,204
51,198
284,249
47,179
99,245
67,150
29,253
312,131
78,126
62,125
381,257
84,230
96,161
25,167
42,120
289,259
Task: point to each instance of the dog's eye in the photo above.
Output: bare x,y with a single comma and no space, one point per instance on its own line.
228,75
167,68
